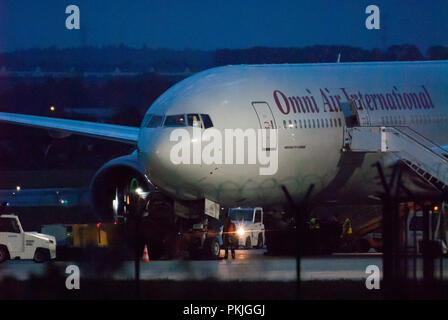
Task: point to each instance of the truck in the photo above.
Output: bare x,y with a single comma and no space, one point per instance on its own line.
249,224
437,231
16,244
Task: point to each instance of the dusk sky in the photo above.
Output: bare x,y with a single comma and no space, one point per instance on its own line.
211,24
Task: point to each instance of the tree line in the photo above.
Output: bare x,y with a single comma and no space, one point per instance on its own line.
144,59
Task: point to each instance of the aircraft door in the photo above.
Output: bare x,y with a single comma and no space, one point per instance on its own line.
265,115
266,120
353,116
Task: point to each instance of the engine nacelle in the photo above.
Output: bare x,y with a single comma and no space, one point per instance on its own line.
114,185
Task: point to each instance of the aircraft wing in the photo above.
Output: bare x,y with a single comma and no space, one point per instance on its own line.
98,130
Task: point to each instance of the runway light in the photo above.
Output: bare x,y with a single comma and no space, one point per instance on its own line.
52,108
98,224
436,208
18,188
241,232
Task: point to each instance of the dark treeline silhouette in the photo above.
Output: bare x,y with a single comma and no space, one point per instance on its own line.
107,59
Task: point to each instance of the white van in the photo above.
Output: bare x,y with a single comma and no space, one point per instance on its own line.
249,226
17,244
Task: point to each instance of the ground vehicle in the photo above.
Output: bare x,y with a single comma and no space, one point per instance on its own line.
17,244
415,227
249,226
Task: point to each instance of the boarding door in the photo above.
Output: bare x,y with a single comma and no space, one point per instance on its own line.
267,121
353,116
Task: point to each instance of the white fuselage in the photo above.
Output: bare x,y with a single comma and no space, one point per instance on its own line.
412,94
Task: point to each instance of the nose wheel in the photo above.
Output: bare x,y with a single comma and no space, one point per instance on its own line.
130,199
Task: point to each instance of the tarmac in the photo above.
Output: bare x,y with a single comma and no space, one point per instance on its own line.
249,265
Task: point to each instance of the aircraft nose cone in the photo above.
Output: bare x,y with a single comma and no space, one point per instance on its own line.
155,148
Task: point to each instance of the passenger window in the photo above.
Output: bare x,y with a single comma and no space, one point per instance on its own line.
335,123
314,124
257,216
194,121
290,124
9,225
175,121
284,124
326,123
340,123
322,123
318,123
300,124
155,121
295,124
207,121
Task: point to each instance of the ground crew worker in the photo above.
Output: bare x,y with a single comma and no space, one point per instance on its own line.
314,224
229,238
346,227
347,232
314,231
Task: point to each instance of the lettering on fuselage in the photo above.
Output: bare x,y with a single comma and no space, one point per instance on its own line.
330,101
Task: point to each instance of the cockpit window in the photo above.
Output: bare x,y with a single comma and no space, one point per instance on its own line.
207,121
146,120
155,121
175,121
194,120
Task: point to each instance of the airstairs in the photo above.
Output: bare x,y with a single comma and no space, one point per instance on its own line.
424,157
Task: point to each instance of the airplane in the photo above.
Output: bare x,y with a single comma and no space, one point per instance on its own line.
314,109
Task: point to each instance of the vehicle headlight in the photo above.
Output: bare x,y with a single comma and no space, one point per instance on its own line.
241,232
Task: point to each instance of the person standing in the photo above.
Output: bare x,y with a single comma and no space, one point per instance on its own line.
229,237
347,234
